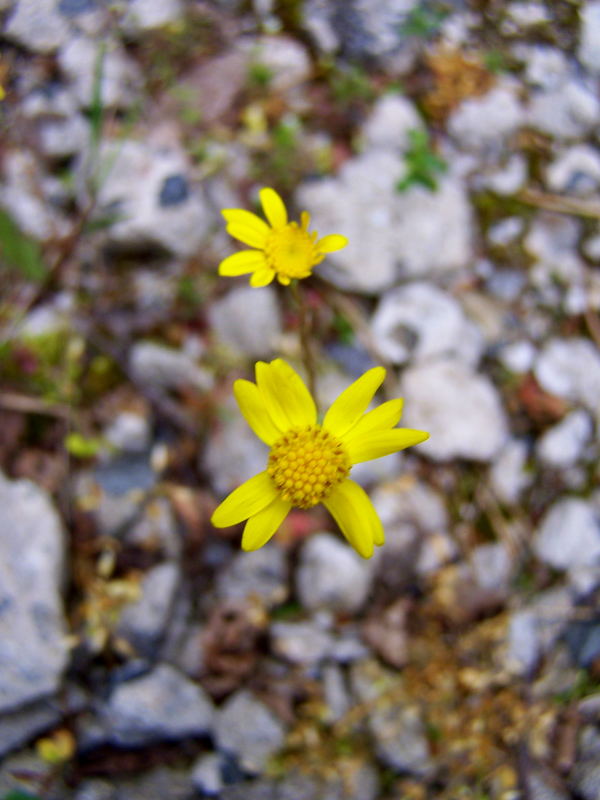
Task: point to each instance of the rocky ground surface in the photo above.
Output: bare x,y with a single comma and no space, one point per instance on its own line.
142,655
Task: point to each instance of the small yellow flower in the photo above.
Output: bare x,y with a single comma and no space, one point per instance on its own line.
282,249
309,463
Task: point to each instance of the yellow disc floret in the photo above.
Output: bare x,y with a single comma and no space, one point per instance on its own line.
292,251
306,463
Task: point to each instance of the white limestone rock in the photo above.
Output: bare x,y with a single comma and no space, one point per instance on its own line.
392,118
483,123
418,321
459,408
391,235
570,368
33,633
589,38
248,321
149,191
563,444
568,537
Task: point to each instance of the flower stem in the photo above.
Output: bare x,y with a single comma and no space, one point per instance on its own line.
304,319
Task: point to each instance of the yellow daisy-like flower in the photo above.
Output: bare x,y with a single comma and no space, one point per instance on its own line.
309,463
282,249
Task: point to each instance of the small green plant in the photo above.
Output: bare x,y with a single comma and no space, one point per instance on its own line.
17,794
422,163
424,20
495,61
350,84
259,75
18,252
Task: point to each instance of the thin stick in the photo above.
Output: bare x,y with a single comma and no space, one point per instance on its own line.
305,341
560,204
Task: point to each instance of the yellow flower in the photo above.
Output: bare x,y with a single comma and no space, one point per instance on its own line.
309,463
283,249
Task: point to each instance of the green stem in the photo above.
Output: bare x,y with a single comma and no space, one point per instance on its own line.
304,318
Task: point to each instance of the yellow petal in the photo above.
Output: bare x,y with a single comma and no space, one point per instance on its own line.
305,220
273,207
241,263
247,235
331,243
384,417
260,527
284,280
376,445
286,396
351,508
248,499
262,277
246,219
253,408
345,412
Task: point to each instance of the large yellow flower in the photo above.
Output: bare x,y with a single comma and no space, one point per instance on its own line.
283,249
309,463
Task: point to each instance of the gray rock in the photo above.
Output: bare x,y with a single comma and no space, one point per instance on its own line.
233,453
63,138
38,26
543,786
143,623
33,634
156,529
396,727
335,692
248,321
416,528
129,431
332,575
585,779
507,179
570,368
418,321
575,171
569,535
166,368
206,775
484,123
460,409
19,727
23,197
492,567
96,789
545,66
391,235
518,357
248,729
161,705
388,126
300,642
588,51
284,57
144,15
534,630
261,573
563,444
571,110
156,784
508,476
136,176
400,740
504,232
121,79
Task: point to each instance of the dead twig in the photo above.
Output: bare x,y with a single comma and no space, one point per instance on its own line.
560,204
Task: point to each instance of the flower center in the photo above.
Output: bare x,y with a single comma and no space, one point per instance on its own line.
306,463
291,251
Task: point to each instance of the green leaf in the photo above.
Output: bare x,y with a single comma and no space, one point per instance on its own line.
82,447
17,794
19,252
